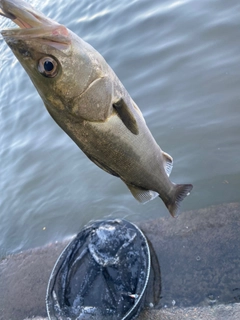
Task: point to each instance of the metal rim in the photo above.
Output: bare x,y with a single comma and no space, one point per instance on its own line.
148,273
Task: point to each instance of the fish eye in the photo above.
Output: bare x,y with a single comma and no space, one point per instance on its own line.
48,67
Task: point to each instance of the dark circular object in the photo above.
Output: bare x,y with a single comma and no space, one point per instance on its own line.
48,67
102,274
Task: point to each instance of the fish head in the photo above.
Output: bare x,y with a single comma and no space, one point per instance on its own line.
59,63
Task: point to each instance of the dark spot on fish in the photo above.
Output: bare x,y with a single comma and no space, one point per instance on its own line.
21,47
24,52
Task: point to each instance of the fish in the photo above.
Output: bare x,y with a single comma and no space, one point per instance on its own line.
87,100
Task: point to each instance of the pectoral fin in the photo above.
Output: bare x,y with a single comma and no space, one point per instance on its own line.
126,115
142,195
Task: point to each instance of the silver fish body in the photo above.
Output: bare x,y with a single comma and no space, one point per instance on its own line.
88,101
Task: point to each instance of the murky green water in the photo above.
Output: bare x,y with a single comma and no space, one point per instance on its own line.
179,60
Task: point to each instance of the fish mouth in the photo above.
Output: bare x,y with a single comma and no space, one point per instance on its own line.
32,23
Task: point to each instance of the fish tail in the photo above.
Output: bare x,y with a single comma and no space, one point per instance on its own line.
180,191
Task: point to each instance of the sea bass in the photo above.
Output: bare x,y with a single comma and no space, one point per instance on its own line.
87,100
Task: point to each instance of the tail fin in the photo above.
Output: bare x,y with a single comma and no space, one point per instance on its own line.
180,191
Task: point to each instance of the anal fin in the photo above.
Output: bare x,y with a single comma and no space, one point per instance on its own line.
142,195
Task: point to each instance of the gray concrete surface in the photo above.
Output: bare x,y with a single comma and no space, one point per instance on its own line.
220,312
199,256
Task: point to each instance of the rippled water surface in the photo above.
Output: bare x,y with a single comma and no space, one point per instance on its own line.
179,60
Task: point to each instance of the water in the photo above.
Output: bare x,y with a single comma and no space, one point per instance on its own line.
179,60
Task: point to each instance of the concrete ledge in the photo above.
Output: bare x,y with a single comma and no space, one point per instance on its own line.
199,255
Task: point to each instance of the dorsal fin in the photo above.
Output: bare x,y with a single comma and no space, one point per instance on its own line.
168,163
126,115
